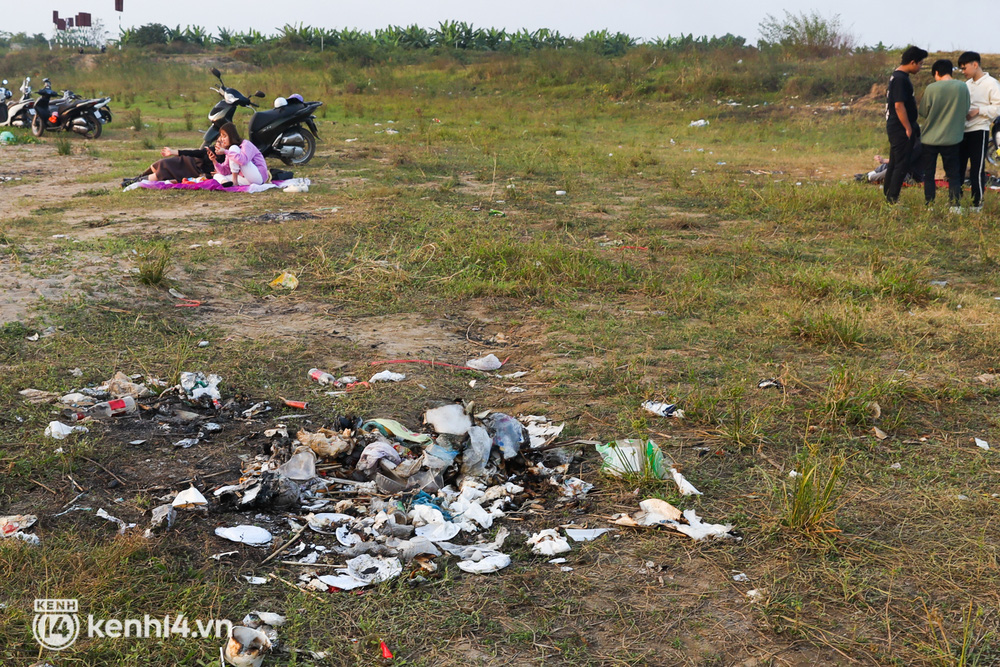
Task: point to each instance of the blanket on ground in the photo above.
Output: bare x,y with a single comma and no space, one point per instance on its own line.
292,185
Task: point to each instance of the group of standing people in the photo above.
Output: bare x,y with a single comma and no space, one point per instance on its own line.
956,117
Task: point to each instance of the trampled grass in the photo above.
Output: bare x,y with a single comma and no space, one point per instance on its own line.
682,264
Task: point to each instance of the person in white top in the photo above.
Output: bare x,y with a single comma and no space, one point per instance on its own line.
985,93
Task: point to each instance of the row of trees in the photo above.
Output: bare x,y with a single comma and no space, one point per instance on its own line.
804,34
448,34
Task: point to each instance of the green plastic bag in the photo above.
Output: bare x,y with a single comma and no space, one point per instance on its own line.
633,458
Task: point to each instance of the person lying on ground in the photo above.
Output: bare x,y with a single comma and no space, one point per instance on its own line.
239,161
178,165
914,174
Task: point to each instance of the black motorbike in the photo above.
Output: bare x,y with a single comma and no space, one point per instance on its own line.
278,132
70,113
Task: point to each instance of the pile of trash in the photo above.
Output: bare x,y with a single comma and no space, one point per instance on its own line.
372,493
390,496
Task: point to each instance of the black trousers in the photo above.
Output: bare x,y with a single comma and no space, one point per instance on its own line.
900,149
973,159
952,169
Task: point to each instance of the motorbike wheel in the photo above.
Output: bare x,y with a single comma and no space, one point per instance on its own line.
94,126
22,119
309,150
38,125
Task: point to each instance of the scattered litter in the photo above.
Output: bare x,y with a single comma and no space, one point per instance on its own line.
548,542
663,409
122,526
739,576
190,498
14,526
982,444
685,487
794,474
186,443
163,518
449,419
250,535
285,280
301,466
392,428
203,343
255,581
516,390
585,534
121,385
755,595
560,193
632,458
486,564
60,431
939,283
487,363
699,123
364,570
896,466
879,433
77,400
256,619
246,647
201,389
38,396
654,511
387,376
767,383
324,442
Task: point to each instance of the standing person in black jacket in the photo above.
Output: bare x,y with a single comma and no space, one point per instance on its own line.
901,121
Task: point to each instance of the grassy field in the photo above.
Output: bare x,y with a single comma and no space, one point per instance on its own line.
681,264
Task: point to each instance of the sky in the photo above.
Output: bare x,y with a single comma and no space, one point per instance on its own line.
933,26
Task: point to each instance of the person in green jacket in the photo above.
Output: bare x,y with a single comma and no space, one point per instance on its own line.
944,105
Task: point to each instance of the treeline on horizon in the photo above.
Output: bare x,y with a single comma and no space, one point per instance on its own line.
803,56
807,34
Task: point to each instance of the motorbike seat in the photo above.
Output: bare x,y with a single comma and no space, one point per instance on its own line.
262,119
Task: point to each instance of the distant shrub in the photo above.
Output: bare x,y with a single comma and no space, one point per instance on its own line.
805,34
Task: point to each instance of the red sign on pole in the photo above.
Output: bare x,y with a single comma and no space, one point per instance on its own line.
55,16
61,24
83,20
119,5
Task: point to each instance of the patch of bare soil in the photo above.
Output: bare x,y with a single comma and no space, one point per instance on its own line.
46,178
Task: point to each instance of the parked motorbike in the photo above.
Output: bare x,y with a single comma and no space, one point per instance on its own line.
278,132
17,114
71,113
992,156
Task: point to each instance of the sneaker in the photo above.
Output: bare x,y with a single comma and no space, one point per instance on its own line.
957,210
129,181
976,209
